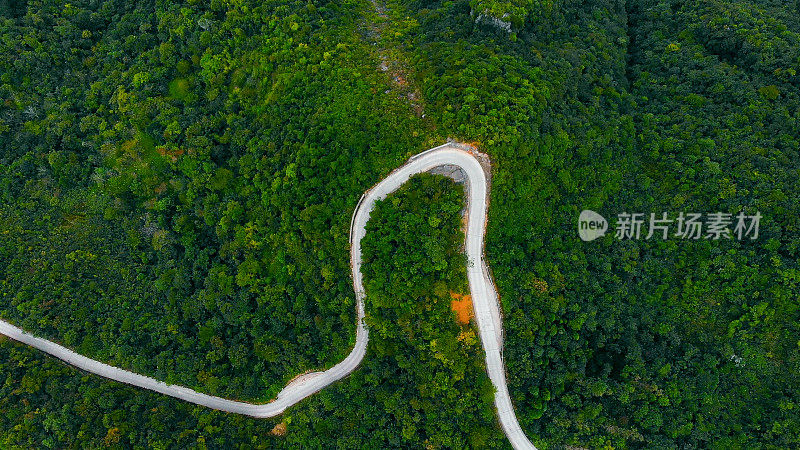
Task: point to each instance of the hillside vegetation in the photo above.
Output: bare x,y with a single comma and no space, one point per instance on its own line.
177,180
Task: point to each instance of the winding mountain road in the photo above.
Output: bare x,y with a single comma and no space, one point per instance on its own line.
484,298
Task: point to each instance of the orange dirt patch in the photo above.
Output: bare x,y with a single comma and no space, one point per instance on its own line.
462,306
279,430
171,153
474,144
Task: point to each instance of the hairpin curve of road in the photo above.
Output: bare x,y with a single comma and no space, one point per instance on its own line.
484,298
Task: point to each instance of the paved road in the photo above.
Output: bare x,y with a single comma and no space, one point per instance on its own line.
484,298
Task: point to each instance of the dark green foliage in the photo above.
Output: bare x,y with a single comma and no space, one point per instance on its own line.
207,166
12,8
422,383
193,167
644,107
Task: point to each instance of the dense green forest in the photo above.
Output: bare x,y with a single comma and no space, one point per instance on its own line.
192,167
651,107
422,383
181,174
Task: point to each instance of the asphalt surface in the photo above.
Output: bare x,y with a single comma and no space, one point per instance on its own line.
484,300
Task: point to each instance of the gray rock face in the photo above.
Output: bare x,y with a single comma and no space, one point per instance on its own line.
486,18
451,171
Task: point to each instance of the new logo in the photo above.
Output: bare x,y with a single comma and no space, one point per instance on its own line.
591,225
